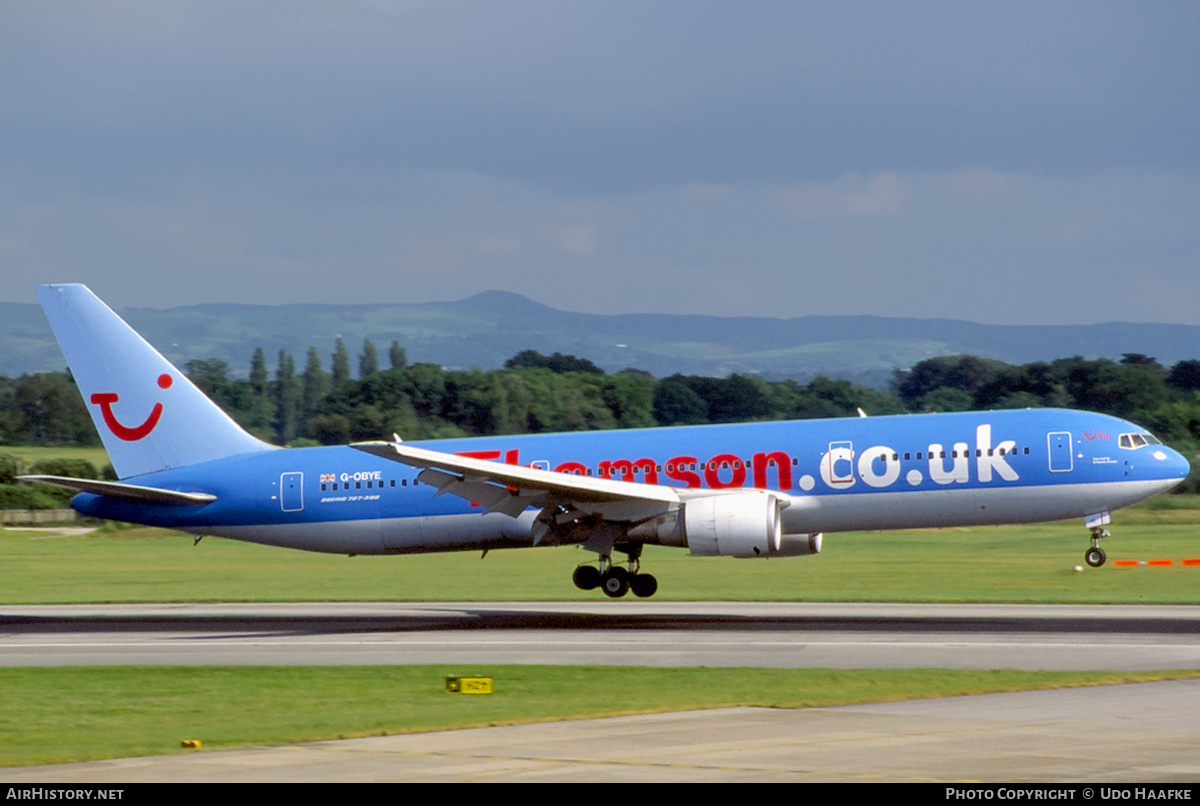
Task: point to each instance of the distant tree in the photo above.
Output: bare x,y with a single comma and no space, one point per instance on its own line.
1111,388
1185,375
557,363
259,383
8,469
33,496
47,409
966,373
739,398
315,383
426,387
287,400
397,356
1029,386
368,361
7,389
946,399
830,397
579,404
367,422
211,375
1141,360
630,397
329,429
341,364
676,403
72,468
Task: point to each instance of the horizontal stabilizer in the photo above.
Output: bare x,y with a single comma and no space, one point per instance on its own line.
133,492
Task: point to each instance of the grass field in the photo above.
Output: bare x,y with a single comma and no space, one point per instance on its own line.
52,715
28,454
62,714
989,564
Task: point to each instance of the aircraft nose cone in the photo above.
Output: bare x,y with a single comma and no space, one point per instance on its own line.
1181,461
1174,464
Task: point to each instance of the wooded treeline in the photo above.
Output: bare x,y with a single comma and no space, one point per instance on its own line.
536,393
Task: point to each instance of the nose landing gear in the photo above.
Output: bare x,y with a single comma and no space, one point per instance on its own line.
1095,556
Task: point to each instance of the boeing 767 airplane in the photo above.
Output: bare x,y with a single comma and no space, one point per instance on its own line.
754,490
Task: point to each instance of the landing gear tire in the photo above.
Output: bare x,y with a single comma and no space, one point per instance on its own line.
615,583
1095,557
643,585
586,578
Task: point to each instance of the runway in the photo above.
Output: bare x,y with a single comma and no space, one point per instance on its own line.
1142,733
1119,638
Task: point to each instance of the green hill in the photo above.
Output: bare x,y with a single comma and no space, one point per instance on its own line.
486,329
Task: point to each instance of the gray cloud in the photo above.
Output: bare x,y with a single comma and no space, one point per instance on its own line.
1008,162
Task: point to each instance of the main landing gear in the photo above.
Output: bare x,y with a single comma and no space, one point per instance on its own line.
614,580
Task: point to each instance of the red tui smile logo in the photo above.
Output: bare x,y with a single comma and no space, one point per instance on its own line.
105,400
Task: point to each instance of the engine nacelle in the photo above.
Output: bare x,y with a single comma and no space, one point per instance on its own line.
743,524
800,545
734,525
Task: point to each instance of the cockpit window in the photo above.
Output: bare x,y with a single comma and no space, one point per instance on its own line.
1132,441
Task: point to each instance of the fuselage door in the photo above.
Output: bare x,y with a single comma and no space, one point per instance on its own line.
291,492
837,466
1061,460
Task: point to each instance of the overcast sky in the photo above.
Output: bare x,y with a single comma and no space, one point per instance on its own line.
1003,162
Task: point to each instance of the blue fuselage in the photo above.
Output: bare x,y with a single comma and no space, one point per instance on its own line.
844,474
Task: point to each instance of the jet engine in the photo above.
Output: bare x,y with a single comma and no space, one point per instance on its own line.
738,525
744,524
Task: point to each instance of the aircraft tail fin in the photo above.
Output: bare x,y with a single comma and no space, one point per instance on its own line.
149,415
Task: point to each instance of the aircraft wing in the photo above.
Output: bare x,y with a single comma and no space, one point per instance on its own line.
511,488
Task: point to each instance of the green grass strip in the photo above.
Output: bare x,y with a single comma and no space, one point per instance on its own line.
64,714
1033,564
